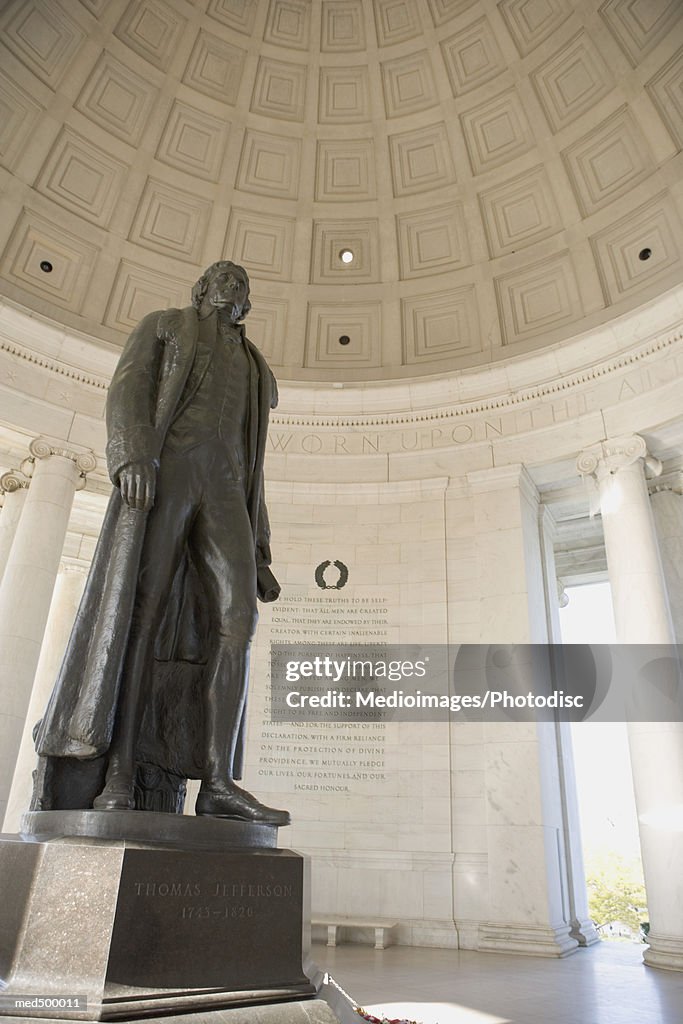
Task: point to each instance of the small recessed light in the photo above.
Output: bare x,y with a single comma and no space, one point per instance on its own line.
344,340
346,256
46,266
644,254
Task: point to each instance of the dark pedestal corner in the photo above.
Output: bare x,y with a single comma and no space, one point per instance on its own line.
195,920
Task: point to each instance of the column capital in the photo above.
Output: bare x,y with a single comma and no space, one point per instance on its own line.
672,482
40,448
13,480
607,457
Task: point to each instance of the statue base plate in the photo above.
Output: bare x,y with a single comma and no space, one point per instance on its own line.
140,929
150,827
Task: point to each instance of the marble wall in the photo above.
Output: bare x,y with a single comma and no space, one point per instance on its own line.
371,802
457,830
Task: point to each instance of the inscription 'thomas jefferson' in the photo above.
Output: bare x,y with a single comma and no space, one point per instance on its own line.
243,890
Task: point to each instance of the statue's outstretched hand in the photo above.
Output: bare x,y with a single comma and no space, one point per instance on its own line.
137,483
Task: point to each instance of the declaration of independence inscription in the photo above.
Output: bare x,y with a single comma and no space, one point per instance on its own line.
322,756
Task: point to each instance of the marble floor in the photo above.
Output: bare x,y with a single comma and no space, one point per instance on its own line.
604,984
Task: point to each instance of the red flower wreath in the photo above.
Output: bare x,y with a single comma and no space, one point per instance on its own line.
364,1015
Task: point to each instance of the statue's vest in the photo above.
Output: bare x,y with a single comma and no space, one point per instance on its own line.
215,401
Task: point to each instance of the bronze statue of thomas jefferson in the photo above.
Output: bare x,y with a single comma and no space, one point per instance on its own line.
153,685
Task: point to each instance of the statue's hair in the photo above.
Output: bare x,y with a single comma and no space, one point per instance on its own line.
200,288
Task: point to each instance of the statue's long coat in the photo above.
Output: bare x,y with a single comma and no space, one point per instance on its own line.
143,400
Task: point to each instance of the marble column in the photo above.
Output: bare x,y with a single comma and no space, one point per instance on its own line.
526,880
13,485
642,615
666,499
27,585
639,595
63,607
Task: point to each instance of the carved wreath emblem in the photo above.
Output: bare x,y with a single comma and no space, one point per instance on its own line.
322,569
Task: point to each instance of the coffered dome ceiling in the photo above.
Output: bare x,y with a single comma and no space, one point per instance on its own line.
505,174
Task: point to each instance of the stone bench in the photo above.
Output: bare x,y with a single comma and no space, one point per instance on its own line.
385,931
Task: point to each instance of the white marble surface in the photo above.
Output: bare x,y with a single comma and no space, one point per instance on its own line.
667,509
63,607
26,593
642,615
12,505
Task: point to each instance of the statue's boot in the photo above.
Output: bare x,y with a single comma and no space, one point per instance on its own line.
233,802
117,795
226,690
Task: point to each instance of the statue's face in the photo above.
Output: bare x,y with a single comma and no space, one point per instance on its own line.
228,290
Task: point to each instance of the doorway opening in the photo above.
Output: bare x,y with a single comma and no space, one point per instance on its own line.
607,810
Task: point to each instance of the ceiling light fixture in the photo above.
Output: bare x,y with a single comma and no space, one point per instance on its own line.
644,254
346,256
344,340
46,266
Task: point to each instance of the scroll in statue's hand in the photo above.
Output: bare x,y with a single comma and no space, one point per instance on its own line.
267,587
137,483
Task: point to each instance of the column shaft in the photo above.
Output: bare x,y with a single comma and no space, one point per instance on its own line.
641,604
14,486
667,509
642,615
26,590
65,600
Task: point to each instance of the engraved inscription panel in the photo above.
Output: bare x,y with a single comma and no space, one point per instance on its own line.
323,756
189,919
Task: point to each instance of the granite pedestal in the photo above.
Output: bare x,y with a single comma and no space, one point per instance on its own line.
208,914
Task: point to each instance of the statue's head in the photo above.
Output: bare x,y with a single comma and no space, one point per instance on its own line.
223,285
